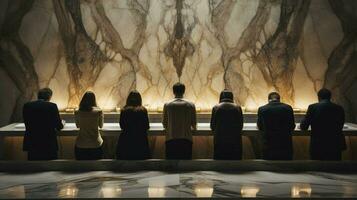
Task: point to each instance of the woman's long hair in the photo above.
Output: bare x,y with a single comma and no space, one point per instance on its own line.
134,100
88,102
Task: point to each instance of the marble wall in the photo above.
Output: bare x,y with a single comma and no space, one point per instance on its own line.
252,47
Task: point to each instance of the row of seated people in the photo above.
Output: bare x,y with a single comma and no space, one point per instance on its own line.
275,120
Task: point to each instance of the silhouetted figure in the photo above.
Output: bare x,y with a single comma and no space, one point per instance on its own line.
276,121
179,121
89,118
42,120
227,125
326,119
134,121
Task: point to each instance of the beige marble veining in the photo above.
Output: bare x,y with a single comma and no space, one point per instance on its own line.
252,47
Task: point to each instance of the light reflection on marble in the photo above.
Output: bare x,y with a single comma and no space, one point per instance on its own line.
110,189
301,190
156,192
68,191
249,191
204,189
104,184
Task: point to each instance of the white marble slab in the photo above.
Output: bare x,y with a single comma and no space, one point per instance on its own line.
100,184
18,129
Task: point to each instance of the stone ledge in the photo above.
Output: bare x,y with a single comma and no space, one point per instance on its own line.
179,165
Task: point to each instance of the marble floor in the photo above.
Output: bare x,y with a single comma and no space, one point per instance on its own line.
108,184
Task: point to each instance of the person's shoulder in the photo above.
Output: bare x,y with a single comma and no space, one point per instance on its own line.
227,105
263,107
337,106
288,106
174,102
237,106
50,104
313,105
190,103
76,112
169,103
27,104
143,109
139,109
97,110
215,107
134,109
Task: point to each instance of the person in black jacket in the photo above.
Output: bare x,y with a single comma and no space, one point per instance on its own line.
134,121
227,125
42,120
276,121
326,119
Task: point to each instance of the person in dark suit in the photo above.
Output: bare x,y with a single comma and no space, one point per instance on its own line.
134,121
276,121
42,120
326,119
227,125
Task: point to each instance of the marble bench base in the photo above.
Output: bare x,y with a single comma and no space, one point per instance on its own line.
178,165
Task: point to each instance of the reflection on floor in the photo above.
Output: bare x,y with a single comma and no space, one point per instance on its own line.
162,184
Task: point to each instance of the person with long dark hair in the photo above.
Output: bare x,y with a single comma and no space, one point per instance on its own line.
227,125
134,121
89,118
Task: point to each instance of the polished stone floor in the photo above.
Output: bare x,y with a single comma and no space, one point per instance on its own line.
177,185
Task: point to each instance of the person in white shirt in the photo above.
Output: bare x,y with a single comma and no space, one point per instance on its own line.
179,121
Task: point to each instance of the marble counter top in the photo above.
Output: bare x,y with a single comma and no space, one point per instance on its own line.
203,129
188,185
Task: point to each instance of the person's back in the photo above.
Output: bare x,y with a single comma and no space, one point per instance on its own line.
179,120
133,142
89,118
41,119
134,121
88,123
326,120
227,124
276,121
179,116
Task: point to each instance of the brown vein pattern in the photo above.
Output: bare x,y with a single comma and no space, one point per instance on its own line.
111,47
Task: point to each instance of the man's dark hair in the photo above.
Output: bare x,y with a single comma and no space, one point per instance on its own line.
324,94
44,94
226,95
274,95
178,89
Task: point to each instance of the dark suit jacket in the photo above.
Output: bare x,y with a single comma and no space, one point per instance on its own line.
227,124
276,121
326,120
133,141
41,119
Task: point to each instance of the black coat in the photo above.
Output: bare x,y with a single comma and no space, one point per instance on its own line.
276,121
326,120
227,125
133,141
41,119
